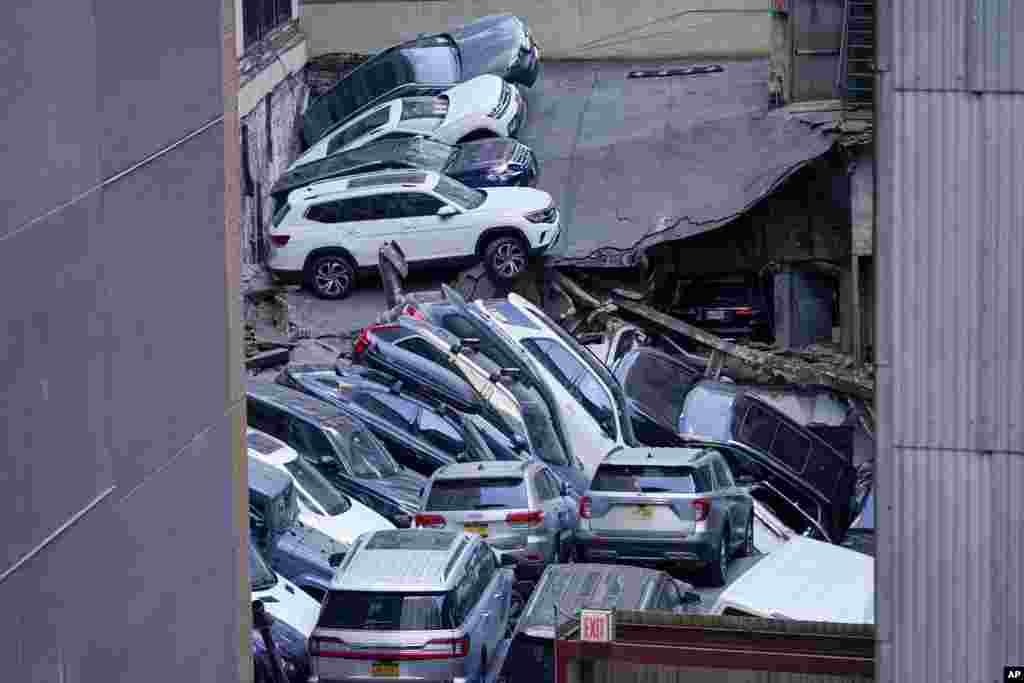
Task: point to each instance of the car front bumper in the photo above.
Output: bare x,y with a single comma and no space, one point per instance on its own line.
694,550
552,232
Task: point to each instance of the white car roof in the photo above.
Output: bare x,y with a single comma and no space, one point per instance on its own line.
806,580
357,184
268,449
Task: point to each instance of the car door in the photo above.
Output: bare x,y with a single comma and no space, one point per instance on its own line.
566,508
494,599
420,229
727,492
346,223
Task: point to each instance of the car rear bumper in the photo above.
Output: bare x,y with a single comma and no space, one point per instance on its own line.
287,277
696,550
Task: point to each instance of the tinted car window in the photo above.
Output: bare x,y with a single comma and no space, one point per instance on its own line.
267,418
400,413
356,610
556,359
708,412
309,440
421,347
440,433
644,479
758,428
363,209
791,447
596,401
328,212
368,458
358,129
477,494
332,501
418,204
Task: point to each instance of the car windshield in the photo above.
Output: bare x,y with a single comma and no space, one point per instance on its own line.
362,611
457,193
316,487
261,578
367,456
429,154
476,494
475,443
643,479
708,413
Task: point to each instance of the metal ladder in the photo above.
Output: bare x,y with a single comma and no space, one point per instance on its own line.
857,64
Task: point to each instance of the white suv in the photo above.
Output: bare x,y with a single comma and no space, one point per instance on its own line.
485,106
327,231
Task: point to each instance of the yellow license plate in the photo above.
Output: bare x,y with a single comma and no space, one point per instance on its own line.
477,529
384,670
644,512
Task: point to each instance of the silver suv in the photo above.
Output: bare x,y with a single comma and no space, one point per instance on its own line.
674,506
413,605
520,508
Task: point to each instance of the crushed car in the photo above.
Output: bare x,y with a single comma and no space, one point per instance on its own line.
564,589
303,555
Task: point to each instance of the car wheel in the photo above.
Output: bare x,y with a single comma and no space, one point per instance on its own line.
505,258
718,568
747,548
331,276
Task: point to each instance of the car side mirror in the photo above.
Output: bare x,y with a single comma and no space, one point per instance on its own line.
447,211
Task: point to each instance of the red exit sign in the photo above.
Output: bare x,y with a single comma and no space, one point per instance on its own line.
779,5
597,625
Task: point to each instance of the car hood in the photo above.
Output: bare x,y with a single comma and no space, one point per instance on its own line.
483,154
518,199
403,487
476,96
287,603
345,527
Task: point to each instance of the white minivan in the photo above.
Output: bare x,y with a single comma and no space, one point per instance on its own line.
321,505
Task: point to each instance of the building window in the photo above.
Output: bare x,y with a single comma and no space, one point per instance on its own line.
263,16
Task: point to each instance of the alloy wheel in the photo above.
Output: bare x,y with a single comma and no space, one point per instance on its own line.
333,277
509,259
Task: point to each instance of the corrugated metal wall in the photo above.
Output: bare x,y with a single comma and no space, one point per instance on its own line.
950,344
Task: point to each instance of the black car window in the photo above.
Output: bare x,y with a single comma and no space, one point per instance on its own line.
440,433
267,418
396,135
557,360
421,347
596,401
644,479
758,428
722,474
308,440
476,494
357,130
791,447
416,204
368,457
392,409
329,212
359,610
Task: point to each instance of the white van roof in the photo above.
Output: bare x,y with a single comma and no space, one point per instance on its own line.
806,580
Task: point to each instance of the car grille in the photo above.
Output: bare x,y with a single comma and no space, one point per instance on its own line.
503,101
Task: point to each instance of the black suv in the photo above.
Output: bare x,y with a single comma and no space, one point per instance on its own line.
419,435
730,308
339,446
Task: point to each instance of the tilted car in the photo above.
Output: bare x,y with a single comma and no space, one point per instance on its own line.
327,232
588,409
321,505
413,605
670,507
284,601
564,589
485,107
292,653
493,162
340,446
421,436
413,350
732,308
497,44
300,553
519,508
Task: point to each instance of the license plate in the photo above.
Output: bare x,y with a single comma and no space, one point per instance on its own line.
384,670
644,512
478,529
714,315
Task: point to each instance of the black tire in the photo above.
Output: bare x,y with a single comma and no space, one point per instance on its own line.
747,549
330,276
718,567
506,257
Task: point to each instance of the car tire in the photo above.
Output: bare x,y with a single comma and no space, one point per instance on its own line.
330,276
506,257
718,567
747,549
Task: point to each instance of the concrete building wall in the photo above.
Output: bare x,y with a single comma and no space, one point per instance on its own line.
578,29
120,425
949,254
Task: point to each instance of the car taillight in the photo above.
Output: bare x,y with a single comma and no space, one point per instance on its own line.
363,342
744,311
703,507
413,312
445,648
429,521
585,507
535,518
279,240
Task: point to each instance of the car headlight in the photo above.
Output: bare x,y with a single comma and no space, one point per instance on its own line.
543,216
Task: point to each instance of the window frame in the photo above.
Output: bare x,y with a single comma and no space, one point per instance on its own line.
256,27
